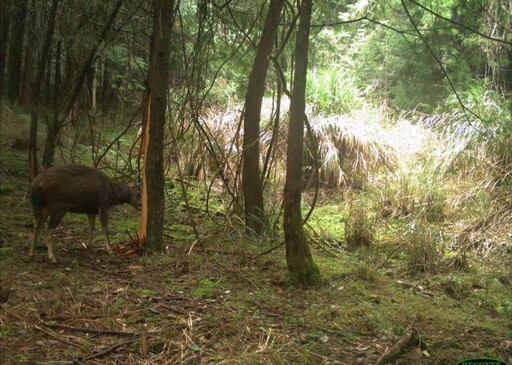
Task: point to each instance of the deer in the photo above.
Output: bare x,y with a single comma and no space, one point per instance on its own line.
77,189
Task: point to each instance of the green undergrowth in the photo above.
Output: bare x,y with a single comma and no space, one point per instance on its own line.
218,296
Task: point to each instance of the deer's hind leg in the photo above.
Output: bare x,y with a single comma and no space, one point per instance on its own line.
41,217
55,219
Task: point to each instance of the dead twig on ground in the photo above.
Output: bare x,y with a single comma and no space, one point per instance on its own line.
90,330
109,350
58,338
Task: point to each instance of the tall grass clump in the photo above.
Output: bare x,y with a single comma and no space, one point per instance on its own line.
359,225
333,91
407,194
486,132
499,152
351,150
423,245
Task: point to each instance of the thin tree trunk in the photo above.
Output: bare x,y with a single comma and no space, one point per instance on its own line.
47,79
27,76
57,83
152,215
106,88
251,178
29,59
298,255
34,98
91,88
4,27
16,51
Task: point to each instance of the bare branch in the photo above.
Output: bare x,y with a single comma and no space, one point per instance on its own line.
464,108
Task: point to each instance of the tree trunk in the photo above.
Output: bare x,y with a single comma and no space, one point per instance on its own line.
34,91
152,215
27,76
251,178
106,87
52,132
298,255
57,83
4,27
29,59
16,51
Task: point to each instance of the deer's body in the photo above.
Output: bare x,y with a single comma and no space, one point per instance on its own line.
76,189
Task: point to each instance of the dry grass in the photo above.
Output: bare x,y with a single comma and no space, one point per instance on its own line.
352,149
15,128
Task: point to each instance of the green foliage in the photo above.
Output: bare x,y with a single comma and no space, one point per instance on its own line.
486,131
5,331
332,91
392,64
6,252
409,198
6,189
120,61
434,205
145,292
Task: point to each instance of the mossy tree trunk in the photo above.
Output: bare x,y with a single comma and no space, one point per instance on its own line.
298,255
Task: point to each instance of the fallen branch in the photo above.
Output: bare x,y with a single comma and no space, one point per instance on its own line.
90,330
408,339
269,250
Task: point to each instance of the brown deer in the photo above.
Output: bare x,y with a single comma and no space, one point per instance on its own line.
76,189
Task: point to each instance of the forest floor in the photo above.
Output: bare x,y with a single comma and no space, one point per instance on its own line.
218,301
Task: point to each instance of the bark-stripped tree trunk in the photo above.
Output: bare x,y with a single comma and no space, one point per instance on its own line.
251,178
152,215
298,255
91,88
